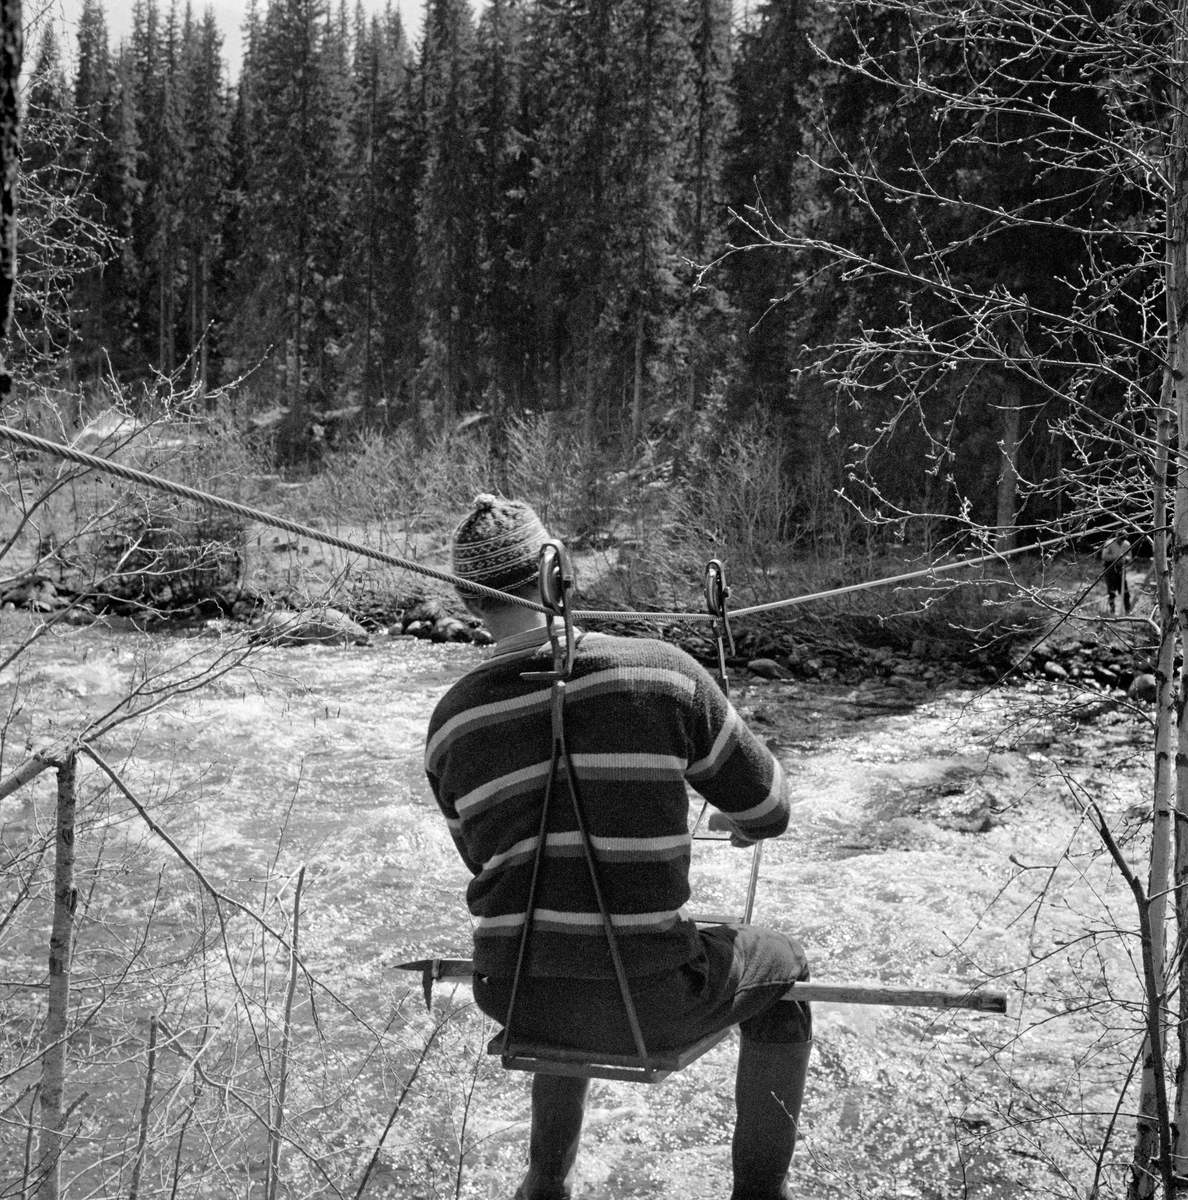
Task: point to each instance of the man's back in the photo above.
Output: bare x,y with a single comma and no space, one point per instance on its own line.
642,718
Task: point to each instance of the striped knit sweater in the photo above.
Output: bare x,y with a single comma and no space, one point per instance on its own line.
642,719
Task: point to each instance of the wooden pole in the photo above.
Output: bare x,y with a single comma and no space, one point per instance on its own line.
53,1058
835,993
856,993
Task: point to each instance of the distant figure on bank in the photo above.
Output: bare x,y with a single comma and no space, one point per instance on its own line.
643,718
1115,556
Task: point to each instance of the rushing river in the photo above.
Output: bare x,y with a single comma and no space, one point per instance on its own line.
935,840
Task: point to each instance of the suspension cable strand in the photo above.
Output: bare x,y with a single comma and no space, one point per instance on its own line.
995,556
254,514
773,605
261,517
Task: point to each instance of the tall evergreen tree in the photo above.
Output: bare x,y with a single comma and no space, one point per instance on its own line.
379,203
573,119
106,151
505,171
656,64
705,334
398,168
291,129
155,101
447,200
206,125
773,73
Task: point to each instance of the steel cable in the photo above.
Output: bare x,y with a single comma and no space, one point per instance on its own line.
146,479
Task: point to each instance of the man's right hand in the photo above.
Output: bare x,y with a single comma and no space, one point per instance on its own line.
719,822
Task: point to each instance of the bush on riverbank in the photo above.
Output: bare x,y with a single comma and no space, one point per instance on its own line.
641,523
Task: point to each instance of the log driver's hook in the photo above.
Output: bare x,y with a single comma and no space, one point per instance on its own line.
556,583
716,595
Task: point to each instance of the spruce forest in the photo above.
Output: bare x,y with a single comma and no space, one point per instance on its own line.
568,207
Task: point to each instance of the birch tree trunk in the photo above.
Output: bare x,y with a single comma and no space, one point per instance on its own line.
1147,1134
1175,383
11,27
53,1058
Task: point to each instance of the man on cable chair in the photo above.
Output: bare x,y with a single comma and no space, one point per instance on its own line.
642,719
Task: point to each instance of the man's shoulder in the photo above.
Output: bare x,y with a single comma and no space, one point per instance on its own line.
638,661
474,688
599,647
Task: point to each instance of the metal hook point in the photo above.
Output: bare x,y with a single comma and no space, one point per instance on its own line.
716,595
555,580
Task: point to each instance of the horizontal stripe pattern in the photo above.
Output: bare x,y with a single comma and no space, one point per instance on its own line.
758,816
707,767
654,681
606,849
503,787
642,721
563,921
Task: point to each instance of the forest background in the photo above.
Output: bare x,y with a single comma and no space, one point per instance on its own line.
510,219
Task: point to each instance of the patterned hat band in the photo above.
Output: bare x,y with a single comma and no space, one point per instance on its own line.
498,543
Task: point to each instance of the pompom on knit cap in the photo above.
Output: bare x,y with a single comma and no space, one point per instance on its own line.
498,543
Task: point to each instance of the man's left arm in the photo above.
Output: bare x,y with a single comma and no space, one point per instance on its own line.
734,770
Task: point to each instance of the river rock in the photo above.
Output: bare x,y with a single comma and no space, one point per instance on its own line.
768,668
1142,688
325,626
428,612
35,592
450,629
1055,671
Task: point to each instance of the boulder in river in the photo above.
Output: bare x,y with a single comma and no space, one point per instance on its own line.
428,612
768,668
450,629
1142,688
323,626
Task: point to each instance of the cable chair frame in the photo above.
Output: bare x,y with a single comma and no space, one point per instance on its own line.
516,1053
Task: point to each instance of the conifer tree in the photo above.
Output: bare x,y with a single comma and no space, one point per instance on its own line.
240,289
573,116
656,63
206,121
505,178
105,156
706,316
398,168
292,125
773,73
447,199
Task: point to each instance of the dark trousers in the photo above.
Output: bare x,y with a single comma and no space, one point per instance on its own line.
739,978
1115,580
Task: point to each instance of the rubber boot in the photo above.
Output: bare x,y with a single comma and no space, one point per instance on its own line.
558,1105
768,1092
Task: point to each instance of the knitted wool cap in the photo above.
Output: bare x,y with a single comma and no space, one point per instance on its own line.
498,543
